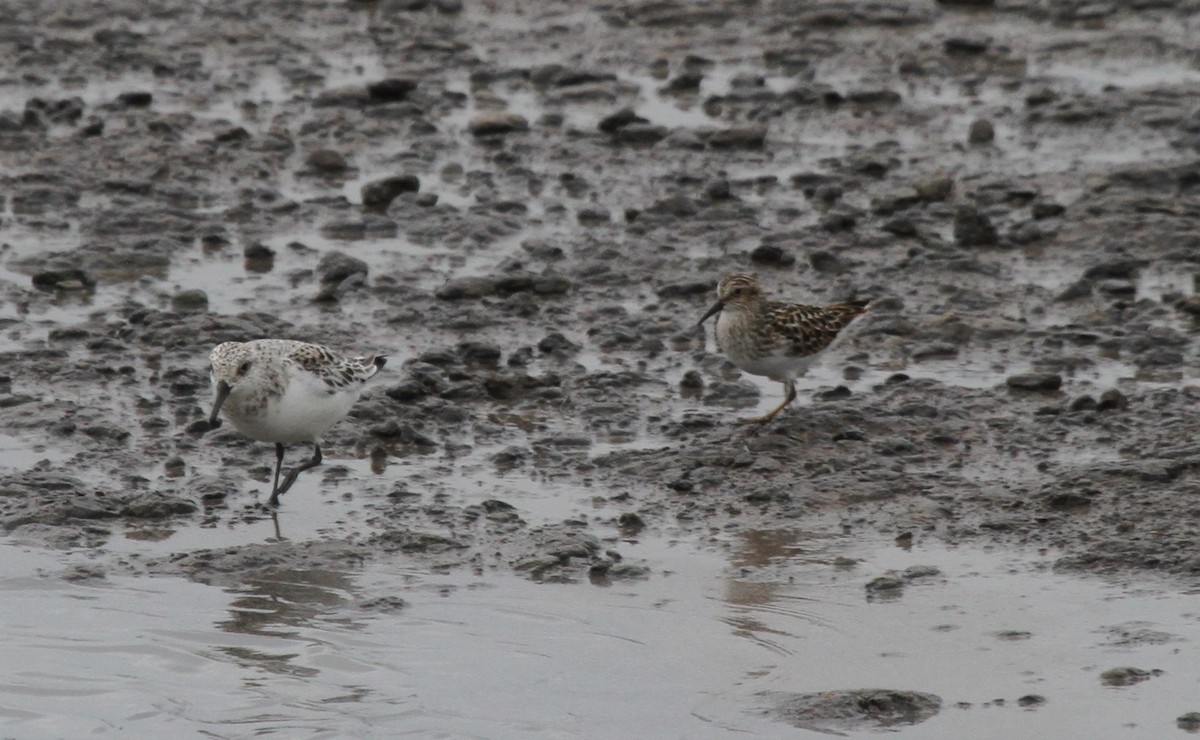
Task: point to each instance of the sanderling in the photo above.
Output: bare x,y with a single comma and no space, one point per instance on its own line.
777,340
283,391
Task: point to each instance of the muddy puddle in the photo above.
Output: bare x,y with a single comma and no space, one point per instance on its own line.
700,648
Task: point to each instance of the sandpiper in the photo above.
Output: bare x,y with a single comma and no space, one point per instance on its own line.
284,391
778,340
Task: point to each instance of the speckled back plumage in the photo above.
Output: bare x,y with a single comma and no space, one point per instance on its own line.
772,338
335,370
283,390
801,330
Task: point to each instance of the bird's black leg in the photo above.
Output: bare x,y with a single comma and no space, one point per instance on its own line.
278,464
295,473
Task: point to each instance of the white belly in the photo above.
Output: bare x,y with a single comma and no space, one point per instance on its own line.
301,414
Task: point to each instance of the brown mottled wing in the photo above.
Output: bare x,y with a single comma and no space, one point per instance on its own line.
337,371
805,330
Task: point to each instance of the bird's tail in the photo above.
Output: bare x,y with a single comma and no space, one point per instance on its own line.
848,310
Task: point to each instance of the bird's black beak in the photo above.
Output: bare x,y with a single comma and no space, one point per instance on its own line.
715,308
223,389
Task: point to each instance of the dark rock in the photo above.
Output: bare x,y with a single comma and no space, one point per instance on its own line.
379,193
682,290
479,352
390,90
232,135
157,506
972,228
840,220
1112,400
186,301
594,216
718,189
1079,289
1123,269
1031,700
679,206
841,711
827,262
334,267
497,123
685,82
466,287
964,46
981,132
258,252
68,279
1044,209
40,112
326,161
620,119
1034,382
1126,676
738,137
934,188
139,99
772,254
555,342
895,200
351,96
1189,722
884,583
1069,501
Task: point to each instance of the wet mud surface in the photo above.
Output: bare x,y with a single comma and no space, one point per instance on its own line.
528,206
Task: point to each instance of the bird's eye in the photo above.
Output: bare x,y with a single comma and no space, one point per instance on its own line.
244,368
737,291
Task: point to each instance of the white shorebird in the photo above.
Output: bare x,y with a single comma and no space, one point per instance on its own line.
283,391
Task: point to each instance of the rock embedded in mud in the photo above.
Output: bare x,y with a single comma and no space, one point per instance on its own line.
335,267
390,90
1189,722
1112,400
1127,676
620,119
157,505
466,287
973,228
380,193
40,112
683,290
67,279
934,188
497,124
836,711
1034,381
135,99
1046,209
773,255
350,96
187,301
884,584
738,137
981,132
326,161
556,343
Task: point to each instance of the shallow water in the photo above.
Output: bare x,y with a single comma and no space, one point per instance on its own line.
685,653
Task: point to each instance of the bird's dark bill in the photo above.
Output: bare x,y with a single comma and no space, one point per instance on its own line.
222,393
715,308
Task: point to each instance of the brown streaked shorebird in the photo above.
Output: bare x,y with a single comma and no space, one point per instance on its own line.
778,340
